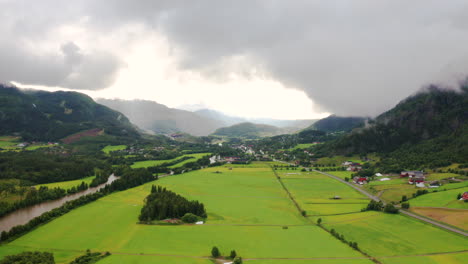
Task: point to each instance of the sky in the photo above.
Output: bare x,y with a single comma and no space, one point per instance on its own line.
251,58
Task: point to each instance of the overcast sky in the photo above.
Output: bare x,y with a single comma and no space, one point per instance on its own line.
280,59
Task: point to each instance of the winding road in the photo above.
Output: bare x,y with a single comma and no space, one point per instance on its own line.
375,198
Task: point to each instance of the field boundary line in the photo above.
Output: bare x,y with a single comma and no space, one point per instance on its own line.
289,193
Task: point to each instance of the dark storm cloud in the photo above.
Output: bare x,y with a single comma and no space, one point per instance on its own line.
350,57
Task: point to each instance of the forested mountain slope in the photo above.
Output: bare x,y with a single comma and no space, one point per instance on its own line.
427,128
335,123
50,116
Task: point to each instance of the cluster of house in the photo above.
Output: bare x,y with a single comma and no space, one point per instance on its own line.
352,166
414,177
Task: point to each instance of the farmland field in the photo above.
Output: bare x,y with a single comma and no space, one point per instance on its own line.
247,210
341,174
455,217
382,234
151,163
109,148
68,184
441,199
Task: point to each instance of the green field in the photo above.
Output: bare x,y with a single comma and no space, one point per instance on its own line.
441,199
341,174
381,234
152,163
108,149
68,184
247,208
337,160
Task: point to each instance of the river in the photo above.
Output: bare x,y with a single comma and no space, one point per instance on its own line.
24,215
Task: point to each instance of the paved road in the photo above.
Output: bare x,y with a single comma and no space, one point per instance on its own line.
375,198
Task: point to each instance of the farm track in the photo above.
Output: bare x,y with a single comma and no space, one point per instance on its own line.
375,198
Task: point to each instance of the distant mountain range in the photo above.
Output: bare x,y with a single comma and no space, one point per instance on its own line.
50,116
250,131
158,118
232,120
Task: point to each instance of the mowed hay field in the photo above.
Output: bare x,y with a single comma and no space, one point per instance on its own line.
247,210
315,192
394,238
455,217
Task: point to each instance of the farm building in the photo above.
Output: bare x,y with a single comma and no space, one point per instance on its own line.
464,196
405,174
360,180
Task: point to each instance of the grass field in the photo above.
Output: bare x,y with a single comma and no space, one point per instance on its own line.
455,217
341,174
234,198
441,199
151,163
68,184
247,209
381,234
337,160
108,149
440,176
315,192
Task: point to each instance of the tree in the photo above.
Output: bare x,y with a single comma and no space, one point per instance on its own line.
233,254
238,260
405,205
390,208
189,218
215,252
404,198
319,221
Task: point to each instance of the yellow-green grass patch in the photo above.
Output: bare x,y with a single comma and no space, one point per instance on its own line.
455,217
67,184
152,163
108,149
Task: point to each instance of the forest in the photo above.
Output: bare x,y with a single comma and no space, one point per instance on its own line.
163,204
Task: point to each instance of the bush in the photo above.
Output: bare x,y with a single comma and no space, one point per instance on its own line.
233,254
405,205
215,252
391,209
238,260
189,218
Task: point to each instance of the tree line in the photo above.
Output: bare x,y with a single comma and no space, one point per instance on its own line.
163,204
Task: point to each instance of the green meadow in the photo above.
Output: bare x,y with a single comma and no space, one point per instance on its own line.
108,149
247,211
315,192
152,163
441,199
381,234
68,184
341,174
